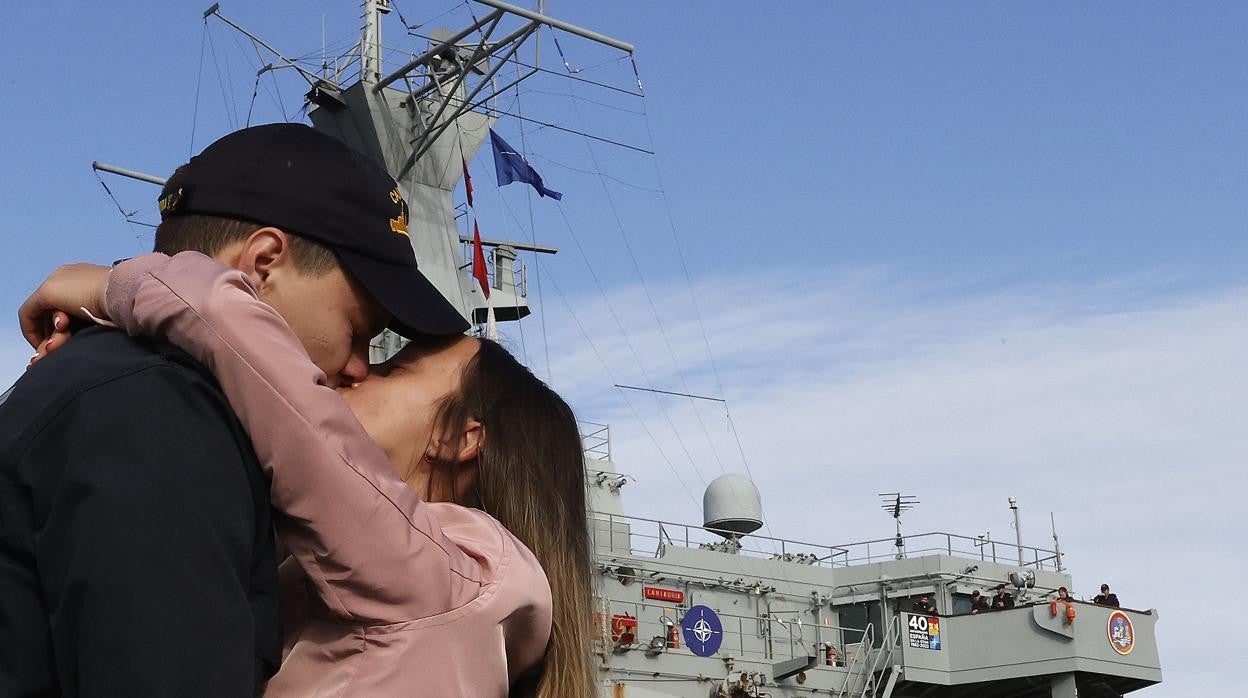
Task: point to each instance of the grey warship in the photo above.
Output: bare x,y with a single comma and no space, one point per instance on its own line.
713,609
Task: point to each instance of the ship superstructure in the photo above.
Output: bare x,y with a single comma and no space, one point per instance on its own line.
714,609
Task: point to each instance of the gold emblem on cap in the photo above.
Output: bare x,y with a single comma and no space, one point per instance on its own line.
399,225
169,201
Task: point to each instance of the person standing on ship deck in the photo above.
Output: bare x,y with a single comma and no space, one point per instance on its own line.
978,603
1105,598
1003,599
923,605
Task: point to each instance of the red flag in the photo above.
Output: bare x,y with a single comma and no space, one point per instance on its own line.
467,181
478,261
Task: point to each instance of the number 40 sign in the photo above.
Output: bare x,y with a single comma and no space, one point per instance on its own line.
924,632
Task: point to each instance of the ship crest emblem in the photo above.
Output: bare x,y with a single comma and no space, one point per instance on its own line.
1121,633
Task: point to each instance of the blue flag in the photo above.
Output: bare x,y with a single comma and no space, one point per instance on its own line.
511,166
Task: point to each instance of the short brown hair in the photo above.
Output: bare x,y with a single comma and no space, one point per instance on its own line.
211,234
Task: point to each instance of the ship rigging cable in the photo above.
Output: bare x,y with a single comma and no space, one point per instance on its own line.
231,108
688,279
632,408
649,297
528,196
275,94
601,360
546,124
693,295
459,145
126,217
255,90
411,31
203,40
631,348
617,180
587,100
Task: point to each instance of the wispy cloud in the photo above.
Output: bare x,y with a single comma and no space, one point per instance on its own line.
1121,409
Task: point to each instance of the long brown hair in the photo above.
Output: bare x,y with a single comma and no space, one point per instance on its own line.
531,477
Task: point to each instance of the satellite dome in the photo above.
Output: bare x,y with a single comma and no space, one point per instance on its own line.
731,503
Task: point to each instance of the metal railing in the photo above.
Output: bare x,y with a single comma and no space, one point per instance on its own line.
856,671
520,270
866,671
650,537
882,657
942,543
746,637
595,440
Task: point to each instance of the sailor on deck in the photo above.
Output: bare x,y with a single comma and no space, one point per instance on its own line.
978,603
1003,599
1105,598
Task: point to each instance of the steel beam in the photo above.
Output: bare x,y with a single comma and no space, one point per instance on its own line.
527,247
559,24
425,57
132,174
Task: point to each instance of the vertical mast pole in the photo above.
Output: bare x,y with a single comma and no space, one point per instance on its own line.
370,44
1018,529
537,36
1057,548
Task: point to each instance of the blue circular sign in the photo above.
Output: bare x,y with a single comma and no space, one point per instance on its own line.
702,630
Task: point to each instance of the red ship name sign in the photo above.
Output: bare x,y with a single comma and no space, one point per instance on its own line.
661,594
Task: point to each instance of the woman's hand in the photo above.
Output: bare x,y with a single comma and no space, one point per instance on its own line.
72,290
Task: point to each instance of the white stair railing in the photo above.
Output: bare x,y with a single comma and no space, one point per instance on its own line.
858,664
881,661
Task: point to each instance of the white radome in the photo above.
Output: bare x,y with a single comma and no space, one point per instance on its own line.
731,503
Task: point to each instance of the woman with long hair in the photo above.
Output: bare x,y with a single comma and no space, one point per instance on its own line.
435,512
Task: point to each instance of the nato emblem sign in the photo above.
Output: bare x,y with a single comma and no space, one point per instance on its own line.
702,630
1121,633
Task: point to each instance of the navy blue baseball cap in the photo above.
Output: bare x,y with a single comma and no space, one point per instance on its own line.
307,183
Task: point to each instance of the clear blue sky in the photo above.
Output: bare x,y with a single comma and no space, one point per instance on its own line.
1013,234
1059,140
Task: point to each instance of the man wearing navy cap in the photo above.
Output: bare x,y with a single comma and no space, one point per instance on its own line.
136,540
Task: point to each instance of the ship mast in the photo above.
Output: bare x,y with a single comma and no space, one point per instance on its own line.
421,121
370,43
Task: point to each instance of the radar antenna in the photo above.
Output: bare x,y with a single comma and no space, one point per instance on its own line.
895,503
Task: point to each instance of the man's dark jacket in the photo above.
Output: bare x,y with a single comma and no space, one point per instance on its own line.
136,541
923,607
1106,600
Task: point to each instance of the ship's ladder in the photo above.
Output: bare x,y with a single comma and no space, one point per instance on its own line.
871,673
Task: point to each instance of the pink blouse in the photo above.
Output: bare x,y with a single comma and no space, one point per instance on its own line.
407,597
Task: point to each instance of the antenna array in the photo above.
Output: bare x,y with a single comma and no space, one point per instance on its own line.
895,503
